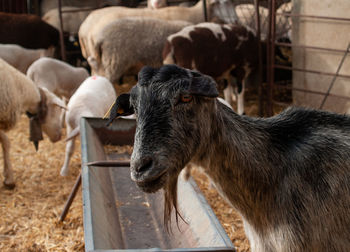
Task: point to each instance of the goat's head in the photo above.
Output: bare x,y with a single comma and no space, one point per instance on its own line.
168,103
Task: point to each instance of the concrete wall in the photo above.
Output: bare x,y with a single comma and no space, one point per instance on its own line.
321,33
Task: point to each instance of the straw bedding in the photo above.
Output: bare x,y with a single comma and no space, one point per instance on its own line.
29,214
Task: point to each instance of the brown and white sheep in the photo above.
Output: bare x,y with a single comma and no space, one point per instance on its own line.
224,52
20,95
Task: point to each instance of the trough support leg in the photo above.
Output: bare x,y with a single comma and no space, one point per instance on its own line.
70,198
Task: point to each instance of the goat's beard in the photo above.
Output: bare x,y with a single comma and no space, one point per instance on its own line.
170,200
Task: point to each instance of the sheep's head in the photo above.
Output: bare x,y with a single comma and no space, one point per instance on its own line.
168,103
48,118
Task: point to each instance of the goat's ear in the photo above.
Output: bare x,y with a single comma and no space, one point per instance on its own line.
121,107
203,85
146,74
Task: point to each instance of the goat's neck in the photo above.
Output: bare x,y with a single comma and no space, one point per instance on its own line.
230,158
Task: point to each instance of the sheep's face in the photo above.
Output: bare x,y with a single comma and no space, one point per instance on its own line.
52,123
168,103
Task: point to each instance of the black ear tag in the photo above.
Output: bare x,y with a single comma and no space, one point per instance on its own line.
121,107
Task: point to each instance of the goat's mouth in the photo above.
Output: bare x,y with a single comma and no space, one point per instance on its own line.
154,184
150,180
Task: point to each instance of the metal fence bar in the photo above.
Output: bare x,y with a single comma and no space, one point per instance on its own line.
205,11
312,92
311,71
335,77
310,47
313,16
271,54
258,34
63,48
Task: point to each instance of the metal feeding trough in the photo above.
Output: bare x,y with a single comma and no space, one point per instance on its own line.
120,217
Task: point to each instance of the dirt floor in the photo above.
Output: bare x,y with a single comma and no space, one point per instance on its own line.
29,214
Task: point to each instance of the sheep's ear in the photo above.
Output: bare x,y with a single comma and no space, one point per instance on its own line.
121,107
59,103
54,99
203,85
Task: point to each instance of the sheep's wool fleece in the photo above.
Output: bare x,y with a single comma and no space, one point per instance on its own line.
16,90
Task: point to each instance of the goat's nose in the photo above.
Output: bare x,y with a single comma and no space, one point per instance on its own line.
143,165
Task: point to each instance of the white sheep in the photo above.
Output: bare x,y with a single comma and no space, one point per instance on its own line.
126,43
92,99
71,20
57,76
98,19
21,58
19,95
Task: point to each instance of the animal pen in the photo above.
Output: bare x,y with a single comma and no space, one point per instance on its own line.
270,89
106,221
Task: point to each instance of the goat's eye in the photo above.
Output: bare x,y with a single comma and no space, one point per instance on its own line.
186,98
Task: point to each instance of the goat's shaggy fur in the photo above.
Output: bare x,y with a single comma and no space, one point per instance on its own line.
288,175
